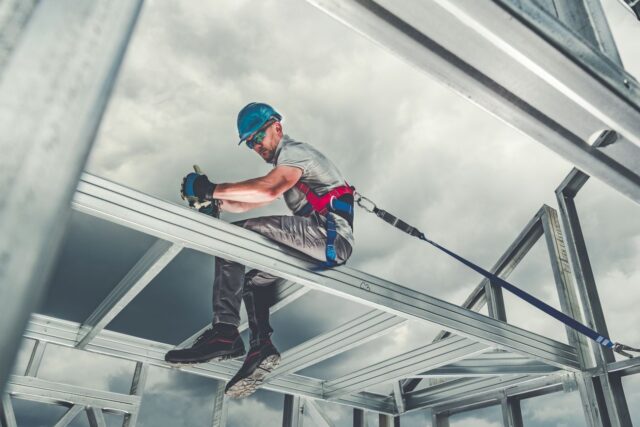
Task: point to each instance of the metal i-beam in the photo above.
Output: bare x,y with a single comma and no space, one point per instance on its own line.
44,391
356,332
138,384
69,416
7,415
220,406
490,364
511,412
95,416
524,66
428,357
157,257
286,293
111,343
165,220
318,416
35,359
292,412
54,88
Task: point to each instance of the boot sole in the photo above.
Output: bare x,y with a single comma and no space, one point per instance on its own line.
247,386
234,355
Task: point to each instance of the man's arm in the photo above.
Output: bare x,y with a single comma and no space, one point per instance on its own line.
239,207
261,190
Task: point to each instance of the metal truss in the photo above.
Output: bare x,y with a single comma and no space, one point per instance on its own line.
563,85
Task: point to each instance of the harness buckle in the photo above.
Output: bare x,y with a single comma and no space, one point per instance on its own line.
364,203
620,349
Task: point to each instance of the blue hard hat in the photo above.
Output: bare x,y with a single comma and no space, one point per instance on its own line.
253,116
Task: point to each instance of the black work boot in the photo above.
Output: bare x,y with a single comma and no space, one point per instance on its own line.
261,360
221,342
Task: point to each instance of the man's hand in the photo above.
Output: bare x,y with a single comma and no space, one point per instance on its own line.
196,188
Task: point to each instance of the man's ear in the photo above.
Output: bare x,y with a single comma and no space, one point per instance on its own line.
278,128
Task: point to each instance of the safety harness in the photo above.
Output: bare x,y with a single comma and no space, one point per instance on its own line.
339,201
622,349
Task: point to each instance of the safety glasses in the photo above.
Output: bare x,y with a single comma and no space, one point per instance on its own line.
258,137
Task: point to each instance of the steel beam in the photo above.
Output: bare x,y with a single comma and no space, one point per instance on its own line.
398,396
427,357
440,419
44,391
157,257
511,412
95,416
358,418
458,394
490,364
111,343
54,88
367,327
558,89
7,415
35,359
316,413
69,416
138,384
220,406
165,220
292,415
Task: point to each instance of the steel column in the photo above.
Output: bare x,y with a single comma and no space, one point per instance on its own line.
440,419
293,411
511,413
69,416
220,406
7,416
137,389
358,418
53,91
95,416
157,257
606,390
318,416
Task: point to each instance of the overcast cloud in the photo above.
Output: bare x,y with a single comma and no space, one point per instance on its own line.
466,179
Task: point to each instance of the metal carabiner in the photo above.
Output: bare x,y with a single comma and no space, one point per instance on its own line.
360,199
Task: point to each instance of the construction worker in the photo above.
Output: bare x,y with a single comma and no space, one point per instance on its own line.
322,203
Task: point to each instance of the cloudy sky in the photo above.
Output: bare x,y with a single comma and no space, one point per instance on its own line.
470,181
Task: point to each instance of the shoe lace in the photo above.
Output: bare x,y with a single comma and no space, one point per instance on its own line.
209,333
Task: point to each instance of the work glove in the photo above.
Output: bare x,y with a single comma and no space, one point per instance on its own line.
196,188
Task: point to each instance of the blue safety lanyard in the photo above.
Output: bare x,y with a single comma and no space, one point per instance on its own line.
369,206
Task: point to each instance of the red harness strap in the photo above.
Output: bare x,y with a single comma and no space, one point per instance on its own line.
320,203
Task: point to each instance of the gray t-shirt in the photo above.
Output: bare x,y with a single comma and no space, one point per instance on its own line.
318,172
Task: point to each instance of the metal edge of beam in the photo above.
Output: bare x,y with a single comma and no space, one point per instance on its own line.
96,417
138,384
292,411
459,393
52,98
355,332
7,414
320,419
40,390
111,343
220,407
130,208
35,359
69,416
287,293
414,44
427,357
491,364
155,259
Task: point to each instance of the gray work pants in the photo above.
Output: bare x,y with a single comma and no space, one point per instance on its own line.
231,285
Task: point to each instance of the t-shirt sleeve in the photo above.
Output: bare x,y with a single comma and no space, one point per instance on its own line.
296,156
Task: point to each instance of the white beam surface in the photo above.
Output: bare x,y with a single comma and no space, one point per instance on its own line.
7,415
54,88
427,357
181,225
69,416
